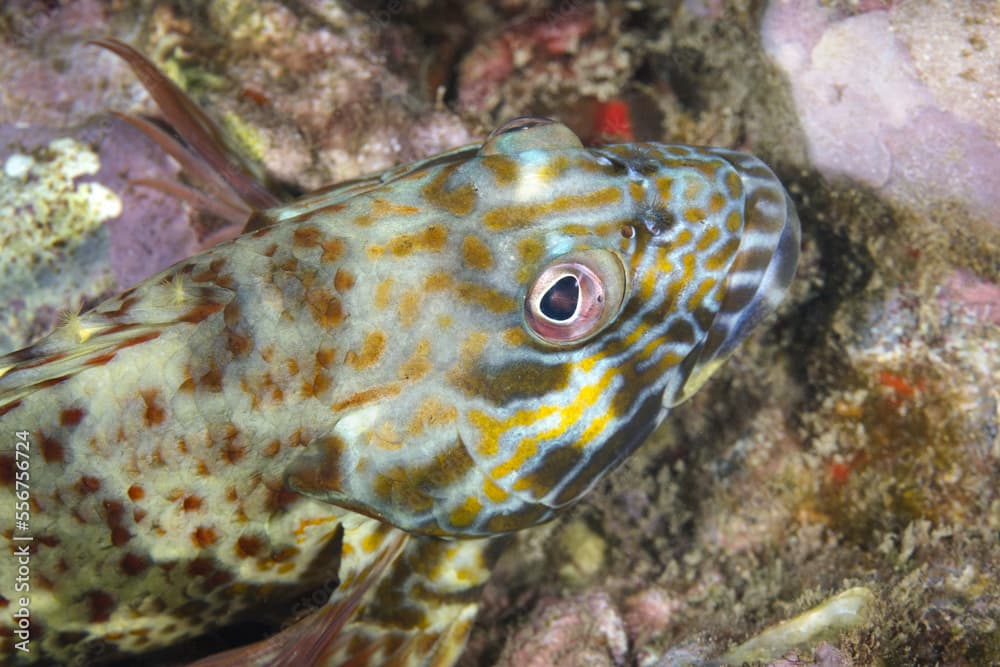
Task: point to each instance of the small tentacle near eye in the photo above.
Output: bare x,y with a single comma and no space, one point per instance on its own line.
575,297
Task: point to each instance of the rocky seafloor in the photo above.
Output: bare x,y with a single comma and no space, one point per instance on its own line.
831,496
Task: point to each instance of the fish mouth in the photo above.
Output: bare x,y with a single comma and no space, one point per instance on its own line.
761,271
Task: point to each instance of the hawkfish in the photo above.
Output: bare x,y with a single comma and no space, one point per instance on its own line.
331,419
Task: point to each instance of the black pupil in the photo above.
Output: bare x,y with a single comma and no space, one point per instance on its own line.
559,303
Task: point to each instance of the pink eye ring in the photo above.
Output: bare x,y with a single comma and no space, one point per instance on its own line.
575,297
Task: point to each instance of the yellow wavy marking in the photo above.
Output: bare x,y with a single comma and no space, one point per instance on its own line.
569,415
734,221
492,428
708,238
699,294
493,491
722,257
372,541
587,364
595,427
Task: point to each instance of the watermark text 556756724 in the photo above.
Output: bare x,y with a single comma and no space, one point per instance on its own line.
22,541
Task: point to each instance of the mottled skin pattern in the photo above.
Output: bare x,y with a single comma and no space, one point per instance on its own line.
322,398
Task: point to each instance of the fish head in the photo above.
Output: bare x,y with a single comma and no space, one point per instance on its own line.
580,293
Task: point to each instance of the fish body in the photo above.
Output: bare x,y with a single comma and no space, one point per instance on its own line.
353,398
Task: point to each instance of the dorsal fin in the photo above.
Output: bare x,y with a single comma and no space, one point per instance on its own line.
344,190
136,316
233,190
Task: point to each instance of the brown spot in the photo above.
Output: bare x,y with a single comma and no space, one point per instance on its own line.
417,365
431,238
201,567
383,293
88,485
409,307
136,492
366,396
370,353
101,605
343,280
284,554
187,386
191,503
204,536
154,411
459,201
486,297
155,458
71,416
476,254
325,307
248,545
503,167
7,469
317,386
325,356
271,449
133,564
232,453
279,497
332,250
307,237
200,312
231,314
138,515
211,380
52,449
120,536
48,540
435,282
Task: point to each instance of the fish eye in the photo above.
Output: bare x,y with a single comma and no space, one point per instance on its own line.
575,297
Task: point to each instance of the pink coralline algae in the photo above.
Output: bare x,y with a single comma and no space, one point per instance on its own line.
903,99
